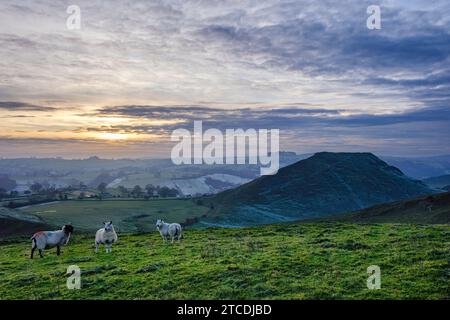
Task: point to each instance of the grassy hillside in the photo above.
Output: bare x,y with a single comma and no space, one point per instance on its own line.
127,215
427,209
12,227
307,261
322,185
13,223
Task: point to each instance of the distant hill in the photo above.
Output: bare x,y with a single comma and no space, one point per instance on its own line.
438,182
104,177
425,209
421,167
322,185
189,179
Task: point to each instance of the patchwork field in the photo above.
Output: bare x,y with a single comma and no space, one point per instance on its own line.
127,215
292,261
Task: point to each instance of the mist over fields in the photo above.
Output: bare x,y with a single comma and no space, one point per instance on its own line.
189,180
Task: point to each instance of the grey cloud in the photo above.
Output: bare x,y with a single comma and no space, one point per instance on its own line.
22,106
283,118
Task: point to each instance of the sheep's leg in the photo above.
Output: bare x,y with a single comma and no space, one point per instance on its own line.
108,248
173,238
32,252
96,247
41,253
58,250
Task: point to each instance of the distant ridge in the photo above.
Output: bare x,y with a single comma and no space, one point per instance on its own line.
438,182
324,184
425,209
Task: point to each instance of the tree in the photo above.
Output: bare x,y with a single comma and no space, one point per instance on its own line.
82,196
123,190
50,191
165,192
137,191
150,190
102,187
36,187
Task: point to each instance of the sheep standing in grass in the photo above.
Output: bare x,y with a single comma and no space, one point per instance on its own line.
169,230
48,239
106,235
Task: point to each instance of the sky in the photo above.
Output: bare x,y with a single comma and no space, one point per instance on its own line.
137,70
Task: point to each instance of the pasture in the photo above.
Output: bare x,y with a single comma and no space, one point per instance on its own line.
127,215
286,261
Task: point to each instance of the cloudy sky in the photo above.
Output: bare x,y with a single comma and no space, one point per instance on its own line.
136,70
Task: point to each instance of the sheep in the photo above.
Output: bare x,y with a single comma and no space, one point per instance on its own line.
172,230
106,235
48,239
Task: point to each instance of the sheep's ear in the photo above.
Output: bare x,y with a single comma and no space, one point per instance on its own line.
110,222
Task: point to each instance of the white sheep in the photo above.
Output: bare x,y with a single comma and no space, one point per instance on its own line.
48,239
106,235
169,230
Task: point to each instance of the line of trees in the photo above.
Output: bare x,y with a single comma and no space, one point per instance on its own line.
150,191
48,191
42,192
37,193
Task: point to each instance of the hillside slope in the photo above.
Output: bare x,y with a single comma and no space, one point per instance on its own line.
421,167
324,184
128,215
426,209
13,224
296,261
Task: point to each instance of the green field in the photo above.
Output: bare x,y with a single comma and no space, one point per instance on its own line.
127,215
295,261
